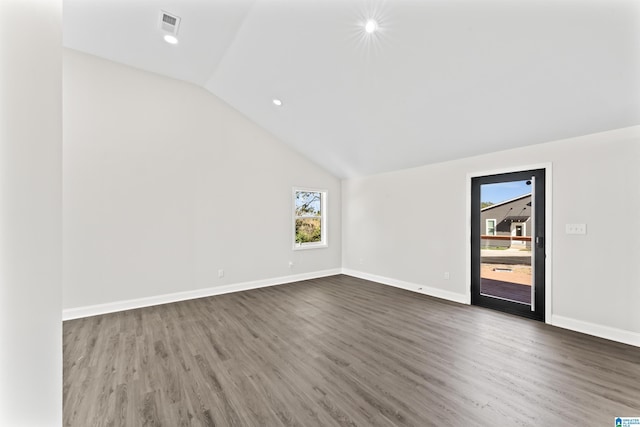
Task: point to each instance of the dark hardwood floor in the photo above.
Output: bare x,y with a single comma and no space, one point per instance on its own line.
339,351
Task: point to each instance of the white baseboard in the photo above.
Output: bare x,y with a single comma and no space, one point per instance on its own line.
421,289
606,332
112,307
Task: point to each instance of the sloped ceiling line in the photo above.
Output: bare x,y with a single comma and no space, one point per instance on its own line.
441,80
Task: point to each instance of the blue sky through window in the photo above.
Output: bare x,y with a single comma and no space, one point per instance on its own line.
308,203
501,191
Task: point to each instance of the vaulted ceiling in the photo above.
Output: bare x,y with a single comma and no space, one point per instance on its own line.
438,80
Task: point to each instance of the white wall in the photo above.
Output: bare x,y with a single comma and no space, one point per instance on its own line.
164,184
30,213
161,178
410,226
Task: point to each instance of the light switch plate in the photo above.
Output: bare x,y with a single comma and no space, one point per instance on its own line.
576,228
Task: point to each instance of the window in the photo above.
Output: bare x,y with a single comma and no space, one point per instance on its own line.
491,227
310,222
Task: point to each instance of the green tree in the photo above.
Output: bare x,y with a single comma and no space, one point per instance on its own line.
308,217
308,203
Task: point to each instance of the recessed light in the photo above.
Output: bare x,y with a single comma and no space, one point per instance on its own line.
170,39
277,102
371,26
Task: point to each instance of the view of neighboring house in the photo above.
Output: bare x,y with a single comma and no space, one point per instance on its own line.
507,223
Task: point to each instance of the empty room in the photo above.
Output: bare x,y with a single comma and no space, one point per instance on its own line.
319,213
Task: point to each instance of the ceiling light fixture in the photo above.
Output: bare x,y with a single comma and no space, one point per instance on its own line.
170,39
371,26
277,102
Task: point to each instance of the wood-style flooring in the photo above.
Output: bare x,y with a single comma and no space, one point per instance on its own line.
339,351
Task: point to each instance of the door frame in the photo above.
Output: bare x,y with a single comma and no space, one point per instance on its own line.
548,246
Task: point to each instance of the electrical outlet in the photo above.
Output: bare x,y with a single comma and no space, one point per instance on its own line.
446,275
291,264
220,273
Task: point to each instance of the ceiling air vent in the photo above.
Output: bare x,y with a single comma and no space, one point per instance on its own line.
169,22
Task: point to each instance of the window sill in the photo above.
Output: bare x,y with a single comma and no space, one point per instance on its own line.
298,247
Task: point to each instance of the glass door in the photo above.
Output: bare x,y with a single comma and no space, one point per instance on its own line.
507,242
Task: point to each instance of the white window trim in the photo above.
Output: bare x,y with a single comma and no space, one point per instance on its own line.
486,227
323,220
